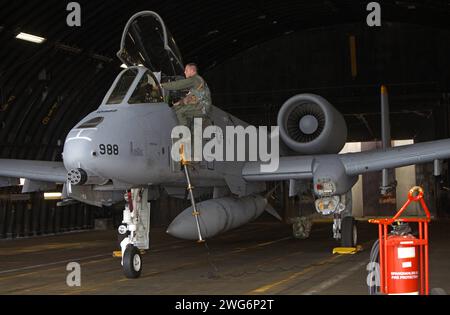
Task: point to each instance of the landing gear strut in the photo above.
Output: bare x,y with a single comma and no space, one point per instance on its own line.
345,230
344,224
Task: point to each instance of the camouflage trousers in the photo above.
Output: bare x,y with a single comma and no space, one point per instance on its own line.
187,113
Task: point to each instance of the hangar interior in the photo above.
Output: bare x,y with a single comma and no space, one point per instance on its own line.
254,56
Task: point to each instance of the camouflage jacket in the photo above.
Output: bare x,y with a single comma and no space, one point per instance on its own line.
198,91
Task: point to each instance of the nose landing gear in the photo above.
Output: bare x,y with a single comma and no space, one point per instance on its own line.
134,231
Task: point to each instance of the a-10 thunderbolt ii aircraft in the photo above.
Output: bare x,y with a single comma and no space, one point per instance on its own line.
124,148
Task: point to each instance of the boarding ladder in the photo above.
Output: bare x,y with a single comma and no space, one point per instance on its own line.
185,166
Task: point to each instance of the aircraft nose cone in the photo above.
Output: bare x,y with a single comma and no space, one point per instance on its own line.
78,149
76,153
184,226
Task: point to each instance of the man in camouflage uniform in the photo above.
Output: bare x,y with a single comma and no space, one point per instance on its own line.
197,102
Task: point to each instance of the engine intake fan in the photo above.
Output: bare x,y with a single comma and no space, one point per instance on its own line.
309,124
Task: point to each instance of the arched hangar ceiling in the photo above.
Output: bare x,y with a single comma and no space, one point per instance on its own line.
45,89
207,31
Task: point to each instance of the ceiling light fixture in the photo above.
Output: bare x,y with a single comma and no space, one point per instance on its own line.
30,38
52,195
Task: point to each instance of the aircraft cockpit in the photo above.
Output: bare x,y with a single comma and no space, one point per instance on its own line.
135,85
147,90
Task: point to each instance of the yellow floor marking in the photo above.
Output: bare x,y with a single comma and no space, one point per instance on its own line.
94,261
109,282
267,287
52,285
260,245
273,242
51,246
18,276
154,273
54,268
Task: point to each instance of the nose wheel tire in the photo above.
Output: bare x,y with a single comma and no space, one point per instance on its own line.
132,262
349,232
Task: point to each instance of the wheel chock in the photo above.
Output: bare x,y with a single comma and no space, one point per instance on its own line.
347,250
117,254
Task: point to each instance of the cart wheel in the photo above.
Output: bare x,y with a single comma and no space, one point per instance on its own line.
349,232
132,262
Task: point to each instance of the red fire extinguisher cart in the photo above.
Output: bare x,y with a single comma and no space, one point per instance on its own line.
404,258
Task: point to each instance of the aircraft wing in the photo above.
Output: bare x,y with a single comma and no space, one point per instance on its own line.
45,171
304,167
376,160
290,167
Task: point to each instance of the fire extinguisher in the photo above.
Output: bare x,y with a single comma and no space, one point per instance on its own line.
402,257
402,265
399,259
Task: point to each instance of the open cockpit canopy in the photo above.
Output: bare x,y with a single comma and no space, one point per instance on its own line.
147,42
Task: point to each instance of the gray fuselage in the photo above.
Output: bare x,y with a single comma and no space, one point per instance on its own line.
130,145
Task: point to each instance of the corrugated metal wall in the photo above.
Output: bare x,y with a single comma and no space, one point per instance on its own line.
30,215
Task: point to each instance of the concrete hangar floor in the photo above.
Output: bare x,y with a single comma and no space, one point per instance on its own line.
259,258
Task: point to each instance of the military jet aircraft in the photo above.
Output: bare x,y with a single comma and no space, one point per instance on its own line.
124,148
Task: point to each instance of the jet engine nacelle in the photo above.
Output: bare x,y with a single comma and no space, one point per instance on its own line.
309,124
